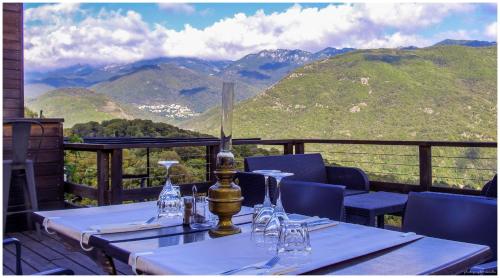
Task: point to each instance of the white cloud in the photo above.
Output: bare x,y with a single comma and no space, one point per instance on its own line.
411,16
491,31
177,7
113,37
52,13
110,37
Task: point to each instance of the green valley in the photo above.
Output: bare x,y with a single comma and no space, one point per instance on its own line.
439,93
436,93
77,105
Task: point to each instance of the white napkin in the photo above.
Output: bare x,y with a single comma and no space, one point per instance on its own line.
278,269
124,227
322,222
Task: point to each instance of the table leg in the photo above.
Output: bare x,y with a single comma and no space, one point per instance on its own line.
372,220
106,262
98,256
380,221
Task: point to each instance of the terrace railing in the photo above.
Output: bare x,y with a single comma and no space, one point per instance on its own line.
399,166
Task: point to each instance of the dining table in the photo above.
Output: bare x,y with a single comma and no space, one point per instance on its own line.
120,232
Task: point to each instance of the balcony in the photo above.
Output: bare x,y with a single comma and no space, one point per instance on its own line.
109,183
98,172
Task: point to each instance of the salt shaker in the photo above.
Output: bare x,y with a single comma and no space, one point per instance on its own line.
188,210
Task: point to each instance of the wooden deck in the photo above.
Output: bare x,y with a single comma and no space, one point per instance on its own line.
50,253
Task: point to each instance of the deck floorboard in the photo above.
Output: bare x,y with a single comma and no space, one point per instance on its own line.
50,253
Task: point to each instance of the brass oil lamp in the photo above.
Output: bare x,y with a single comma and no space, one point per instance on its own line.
224,197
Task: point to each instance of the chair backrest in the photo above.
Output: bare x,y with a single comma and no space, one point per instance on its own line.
490,188
463,218
306,167
313,199
21,130
252,188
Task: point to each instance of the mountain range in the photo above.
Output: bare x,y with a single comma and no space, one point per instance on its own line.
169,89
172,89
444,92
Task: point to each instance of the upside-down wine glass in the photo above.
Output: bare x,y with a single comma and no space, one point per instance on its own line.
169,202
265,213
273,227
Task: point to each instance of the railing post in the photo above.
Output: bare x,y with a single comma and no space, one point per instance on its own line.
211,161
102,177
299,148
425,164
148,180
116,176
288,148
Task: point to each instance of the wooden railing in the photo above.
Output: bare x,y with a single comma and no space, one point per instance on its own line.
110,176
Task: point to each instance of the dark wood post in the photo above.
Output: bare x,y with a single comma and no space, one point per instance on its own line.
425,163
288,148
148,181
211,161
116,176
13,61
299,148
102,177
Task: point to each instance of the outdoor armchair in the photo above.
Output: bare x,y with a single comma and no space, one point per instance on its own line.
313,199
305,167
471,219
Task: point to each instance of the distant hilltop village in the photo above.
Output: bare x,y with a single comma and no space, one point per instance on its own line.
173,110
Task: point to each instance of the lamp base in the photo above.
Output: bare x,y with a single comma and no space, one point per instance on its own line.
224,200
224,231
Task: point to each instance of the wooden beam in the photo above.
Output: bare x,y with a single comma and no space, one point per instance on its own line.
116,176
425,165
81,190
299,148
102,177
148,166
288,148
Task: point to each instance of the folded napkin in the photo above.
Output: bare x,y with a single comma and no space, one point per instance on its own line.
322,226
314,223
124,227
276,270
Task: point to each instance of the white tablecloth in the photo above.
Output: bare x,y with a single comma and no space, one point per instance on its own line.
329,246
73,222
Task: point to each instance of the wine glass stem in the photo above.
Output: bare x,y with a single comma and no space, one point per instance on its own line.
168,183
267,200
279,205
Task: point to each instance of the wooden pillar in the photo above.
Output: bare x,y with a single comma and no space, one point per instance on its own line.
288,148
13,61
148,172
116,176
299,148
102,177
425,164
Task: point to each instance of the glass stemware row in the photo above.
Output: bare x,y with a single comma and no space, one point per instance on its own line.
266,211
268,221
169,202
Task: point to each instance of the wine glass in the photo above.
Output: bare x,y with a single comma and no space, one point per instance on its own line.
265,213
169,202
265,173
273,227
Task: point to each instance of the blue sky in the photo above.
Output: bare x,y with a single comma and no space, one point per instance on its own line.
205,13
62,34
